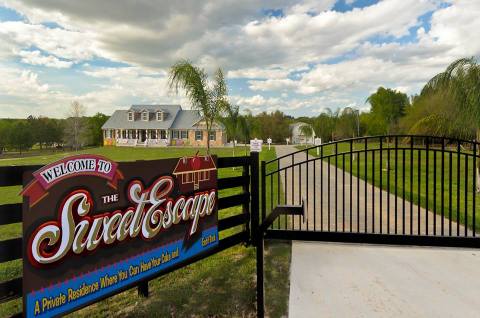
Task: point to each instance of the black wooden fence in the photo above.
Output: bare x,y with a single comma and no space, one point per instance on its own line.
11,249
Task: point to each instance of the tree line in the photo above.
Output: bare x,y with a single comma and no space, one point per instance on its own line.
74,131
447,106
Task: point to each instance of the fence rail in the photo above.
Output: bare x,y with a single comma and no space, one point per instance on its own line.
11,249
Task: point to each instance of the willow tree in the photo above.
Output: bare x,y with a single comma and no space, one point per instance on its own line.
208,98
457,110
459,84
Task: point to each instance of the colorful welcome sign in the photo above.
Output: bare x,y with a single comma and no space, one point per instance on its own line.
92,226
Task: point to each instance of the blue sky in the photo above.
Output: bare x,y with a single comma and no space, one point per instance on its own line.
300,57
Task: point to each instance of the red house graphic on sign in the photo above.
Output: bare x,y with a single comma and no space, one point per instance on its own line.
193,171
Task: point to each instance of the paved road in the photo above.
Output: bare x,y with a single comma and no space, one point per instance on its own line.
316,182
342,280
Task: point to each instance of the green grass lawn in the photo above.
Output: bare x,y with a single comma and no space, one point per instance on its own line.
413,191
221,285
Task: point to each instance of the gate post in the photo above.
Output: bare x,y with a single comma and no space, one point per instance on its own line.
254,193
257,236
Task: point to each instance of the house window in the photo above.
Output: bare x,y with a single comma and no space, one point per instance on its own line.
184,134
145,116
203,175
160,116
213,136
198,135
130,116
163,134
187,178
175,134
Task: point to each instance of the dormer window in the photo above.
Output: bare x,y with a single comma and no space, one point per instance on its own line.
160,116
145,115
130,116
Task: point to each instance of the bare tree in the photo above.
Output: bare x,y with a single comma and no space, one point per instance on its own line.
75,127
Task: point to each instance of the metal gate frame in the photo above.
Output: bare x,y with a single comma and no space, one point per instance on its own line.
443,150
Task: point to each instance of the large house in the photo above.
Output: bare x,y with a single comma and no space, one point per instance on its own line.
160,125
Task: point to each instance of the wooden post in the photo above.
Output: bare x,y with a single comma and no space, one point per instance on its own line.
257,235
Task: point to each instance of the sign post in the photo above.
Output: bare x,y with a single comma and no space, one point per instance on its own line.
256,145
317,142
93,227
269,141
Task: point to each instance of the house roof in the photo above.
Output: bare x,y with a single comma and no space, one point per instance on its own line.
119,119
154,108
186,119
174,118
185,164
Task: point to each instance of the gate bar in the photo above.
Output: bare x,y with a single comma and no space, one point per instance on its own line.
375,238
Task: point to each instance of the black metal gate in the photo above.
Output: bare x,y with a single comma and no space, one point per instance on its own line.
399,189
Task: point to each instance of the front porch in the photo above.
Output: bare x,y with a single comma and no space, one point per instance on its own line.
162,137
137,137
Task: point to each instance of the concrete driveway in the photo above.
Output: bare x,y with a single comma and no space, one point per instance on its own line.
347,280
353,280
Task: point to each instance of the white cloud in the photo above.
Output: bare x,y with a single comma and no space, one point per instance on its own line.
31,96
232,34
36,58
285,57
67,44
259,72
273,84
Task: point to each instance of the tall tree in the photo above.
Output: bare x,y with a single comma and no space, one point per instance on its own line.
325,124
210,100
273,125
347,125
21,136
449,104
5,126
460,85
388,105
94,129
